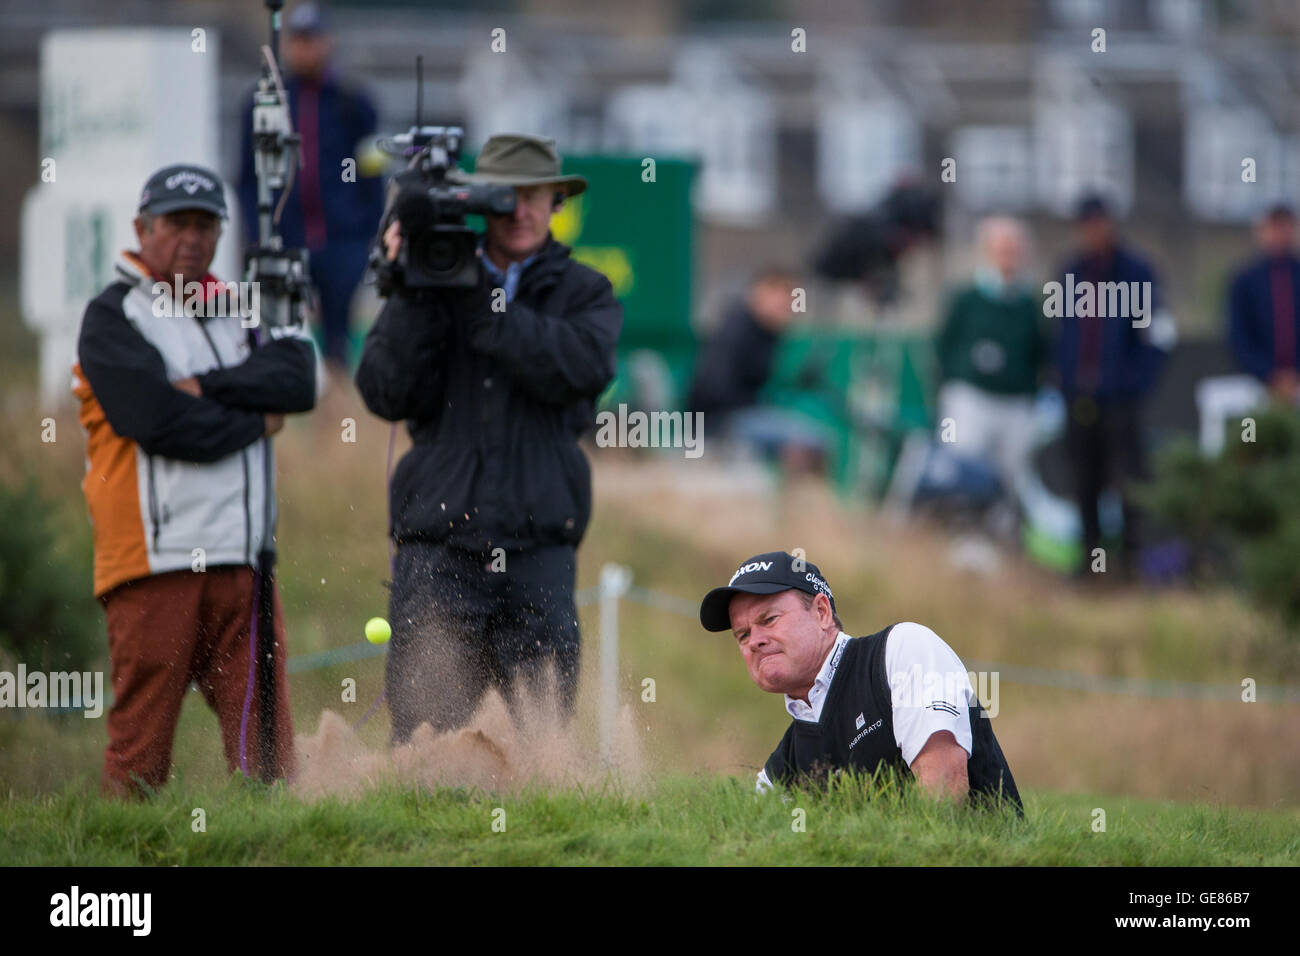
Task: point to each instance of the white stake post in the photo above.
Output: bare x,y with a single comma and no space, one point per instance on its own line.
614,582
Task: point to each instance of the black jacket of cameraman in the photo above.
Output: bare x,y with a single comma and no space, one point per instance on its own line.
495,402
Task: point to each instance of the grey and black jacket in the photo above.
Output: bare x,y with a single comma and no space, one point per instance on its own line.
167,472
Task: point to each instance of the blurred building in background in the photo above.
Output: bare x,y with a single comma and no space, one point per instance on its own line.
1184,92
771,118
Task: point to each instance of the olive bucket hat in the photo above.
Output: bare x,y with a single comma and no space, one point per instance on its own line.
518,159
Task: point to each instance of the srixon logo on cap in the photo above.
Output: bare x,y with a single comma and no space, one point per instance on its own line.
746,569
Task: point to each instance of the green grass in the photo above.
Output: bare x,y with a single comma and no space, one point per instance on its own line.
679,821
1159,761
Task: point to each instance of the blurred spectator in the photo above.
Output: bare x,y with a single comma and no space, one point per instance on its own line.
335,219
1263,317
867,248
736,364
1106,366
991,348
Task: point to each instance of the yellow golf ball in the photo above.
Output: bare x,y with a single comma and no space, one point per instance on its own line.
378,631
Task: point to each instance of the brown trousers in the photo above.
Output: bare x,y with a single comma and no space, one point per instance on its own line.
165,631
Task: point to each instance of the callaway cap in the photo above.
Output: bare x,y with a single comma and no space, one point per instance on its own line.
767,573
183,187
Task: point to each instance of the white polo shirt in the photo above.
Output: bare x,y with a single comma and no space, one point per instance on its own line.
928,684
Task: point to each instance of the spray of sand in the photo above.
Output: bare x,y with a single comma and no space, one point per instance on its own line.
494,752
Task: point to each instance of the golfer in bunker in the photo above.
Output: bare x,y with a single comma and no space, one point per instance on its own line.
899,697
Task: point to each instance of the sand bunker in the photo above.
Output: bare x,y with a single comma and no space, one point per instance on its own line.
491,753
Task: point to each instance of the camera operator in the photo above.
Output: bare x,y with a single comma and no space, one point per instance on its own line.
496,383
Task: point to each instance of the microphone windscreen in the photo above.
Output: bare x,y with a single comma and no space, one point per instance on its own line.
415,210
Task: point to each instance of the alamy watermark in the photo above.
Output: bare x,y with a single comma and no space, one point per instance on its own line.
75,908
1105,300
234,299
65,690
637,429
945,691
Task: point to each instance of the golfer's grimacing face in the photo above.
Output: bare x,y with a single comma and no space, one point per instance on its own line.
780,639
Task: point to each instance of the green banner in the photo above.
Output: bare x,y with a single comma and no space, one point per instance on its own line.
634,224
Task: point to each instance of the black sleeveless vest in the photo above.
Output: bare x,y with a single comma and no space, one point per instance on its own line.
856,730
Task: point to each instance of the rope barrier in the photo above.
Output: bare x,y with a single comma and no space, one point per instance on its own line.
1031,676
1157,689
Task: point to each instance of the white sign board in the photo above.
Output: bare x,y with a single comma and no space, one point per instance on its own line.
1237,163
863,148
1081,146
994,168
731,131
116,104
